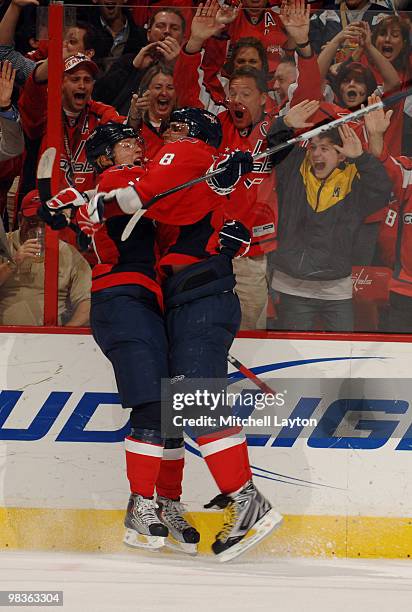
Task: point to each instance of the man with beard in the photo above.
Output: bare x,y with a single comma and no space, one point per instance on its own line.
117,32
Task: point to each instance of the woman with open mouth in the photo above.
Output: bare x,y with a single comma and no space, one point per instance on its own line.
152,106
391,38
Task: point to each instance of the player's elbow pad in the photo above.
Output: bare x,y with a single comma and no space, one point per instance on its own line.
127,199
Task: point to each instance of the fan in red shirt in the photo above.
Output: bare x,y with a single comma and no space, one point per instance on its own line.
81,115
352,82
151,107
259,20
399,169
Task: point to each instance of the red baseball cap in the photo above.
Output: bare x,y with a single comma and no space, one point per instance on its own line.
79,59
30,204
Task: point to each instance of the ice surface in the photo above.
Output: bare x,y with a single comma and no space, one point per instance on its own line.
143,582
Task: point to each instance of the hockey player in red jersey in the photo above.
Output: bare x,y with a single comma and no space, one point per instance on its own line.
197,346
127,324
202,311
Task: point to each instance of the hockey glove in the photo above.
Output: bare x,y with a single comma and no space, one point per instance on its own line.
126,198
67,198
234,239
237,165
83,241
84,220
94,210
56,221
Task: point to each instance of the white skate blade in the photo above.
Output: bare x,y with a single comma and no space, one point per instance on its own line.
138,540
270,521
185,547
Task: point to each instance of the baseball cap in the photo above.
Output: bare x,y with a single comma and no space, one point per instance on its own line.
73,61
30,204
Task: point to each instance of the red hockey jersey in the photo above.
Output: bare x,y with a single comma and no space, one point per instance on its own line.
189,220
152,140
175,164
132,262
269,30
399,170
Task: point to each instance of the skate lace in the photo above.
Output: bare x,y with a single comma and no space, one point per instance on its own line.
145,510
174,512
230,515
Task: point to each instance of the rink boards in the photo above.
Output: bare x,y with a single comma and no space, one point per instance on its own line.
344,486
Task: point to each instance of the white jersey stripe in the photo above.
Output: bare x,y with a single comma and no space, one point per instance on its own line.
143,448
222,444
172,454
204,96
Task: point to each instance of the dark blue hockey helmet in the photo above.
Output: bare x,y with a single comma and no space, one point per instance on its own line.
202,124
102,140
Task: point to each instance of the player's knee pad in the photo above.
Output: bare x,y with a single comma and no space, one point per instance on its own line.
150,436
146,416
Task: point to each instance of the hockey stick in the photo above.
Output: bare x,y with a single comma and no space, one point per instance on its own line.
44,175
390,101
250,375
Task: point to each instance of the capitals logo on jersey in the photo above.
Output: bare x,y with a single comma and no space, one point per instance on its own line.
260,166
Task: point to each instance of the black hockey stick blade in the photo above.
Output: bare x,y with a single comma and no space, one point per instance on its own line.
44,174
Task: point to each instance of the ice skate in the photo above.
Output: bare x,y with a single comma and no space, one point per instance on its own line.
248,518
182,535
143,527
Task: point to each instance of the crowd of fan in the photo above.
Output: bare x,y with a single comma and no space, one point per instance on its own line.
249,64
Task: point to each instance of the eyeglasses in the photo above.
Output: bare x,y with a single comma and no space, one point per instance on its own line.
176,126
